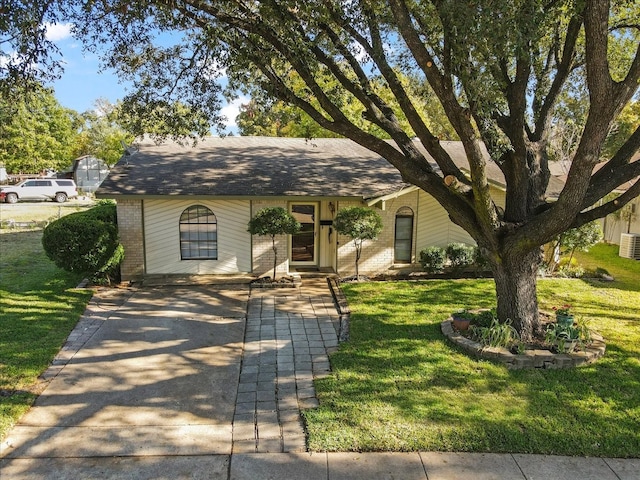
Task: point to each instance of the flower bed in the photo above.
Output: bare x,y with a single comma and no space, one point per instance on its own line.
530,358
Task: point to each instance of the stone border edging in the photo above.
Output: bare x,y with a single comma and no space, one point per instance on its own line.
342,306
529,359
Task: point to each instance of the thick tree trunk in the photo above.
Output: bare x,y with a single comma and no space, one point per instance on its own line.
516,281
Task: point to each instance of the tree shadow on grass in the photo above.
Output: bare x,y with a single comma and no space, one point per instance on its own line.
399,374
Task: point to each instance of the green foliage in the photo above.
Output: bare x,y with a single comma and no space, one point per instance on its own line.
275,119
36,132
278,119
626,123
460,255
101,133
567,337
497,334
570,271
433,259
272,221
581,238
358,223
397,386
40,306
485,318
86,242
161,118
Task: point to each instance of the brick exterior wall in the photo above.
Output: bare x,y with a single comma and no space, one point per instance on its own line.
131,232
377,255
262,250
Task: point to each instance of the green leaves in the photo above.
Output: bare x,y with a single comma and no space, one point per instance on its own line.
273,221
359,223
86,242
36,132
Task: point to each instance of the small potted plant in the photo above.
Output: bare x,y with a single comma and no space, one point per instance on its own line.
564,317
461,319
564,338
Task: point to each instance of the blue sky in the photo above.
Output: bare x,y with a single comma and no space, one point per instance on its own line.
82,83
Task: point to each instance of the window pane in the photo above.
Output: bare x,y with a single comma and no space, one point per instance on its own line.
198,233
403,237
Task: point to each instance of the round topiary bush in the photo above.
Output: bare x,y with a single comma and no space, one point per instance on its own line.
433,259
86,242
460,255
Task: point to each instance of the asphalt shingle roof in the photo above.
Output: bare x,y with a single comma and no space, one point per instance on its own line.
261,166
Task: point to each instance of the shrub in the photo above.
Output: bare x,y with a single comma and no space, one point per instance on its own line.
485,318
460,255
495,335
567,271
86,242
479,260
433,259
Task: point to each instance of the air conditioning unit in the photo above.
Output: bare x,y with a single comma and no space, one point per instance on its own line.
630,245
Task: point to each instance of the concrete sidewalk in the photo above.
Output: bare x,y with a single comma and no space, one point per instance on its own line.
325,466
207,382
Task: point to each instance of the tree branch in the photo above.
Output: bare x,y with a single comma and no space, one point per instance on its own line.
543,116
609,207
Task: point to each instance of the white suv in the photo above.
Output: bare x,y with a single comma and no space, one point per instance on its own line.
40,189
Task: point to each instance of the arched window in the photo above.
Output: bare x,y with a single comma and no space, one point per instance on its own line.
198,234
403,240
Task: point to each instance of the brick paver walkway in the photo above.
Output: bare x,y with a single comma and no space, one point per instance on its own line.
287,342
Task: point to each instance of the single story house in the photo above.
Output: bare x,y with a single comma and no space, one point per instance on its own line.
185,209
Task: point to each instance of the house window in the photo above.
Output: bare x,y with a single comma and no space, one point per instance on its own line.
198,234
403,244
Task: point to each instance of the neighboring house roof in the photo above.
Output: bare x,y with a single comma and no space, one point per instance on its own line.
626,185
263,167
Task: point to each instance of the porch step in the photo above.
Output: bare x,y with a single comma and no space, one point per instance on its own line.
162,280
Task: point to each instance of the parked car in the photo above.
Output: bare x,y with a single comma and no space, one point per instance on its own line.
40,189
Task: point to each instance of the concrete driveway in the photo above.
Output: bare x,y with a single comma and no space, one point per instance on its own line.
157,375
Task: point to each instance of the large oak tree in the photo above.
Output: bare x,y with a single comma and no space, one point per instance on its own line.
497,67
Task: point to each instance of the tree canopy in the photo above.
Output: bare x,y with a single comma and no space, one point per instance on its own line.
36,132
499,69
101,133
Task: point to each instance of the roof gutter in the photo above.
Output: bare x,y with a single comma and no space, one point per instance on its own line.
381,202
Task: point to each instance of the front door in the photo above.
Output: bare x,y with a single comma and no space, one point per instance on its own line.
304,248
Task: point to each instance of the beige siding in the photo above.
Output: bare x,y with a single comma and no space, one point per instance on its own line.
434,226
161,220
614,227
499,196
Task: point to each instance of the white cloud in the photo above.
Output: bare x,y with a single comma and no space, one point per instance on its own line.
57,32
231,110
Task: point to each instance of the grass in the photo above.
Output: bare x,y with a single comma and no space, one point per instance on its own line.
398,385
39,306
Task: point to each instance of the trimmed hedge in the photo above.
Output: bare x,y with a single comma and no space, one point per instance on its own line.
86,242
459,256
433,259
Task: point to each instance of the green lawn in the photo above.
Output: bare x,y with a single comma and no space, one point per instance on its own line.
39,306
399,385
